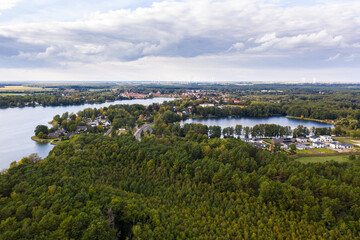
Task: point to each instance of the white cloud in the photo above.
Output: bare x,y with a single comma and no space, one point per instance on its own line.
334,57
312,41
7,4
237,46
257,33
199,69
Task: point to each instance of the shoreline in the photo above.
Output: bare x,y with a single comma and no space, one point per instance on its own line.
85,103
277,115
39,140
311,119
45,141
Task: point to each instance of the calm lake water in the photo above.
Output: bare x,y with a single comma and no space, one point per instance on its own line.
250,122
17,125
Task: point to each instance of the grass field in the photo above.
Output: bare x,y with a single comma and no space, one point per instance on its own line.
322,159
11,94
21,89
39,140
303,151
323,150
239,106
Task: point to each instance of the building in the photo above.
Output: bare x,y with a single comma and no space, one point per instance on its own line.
301,139
53,135
285,146
325,138
314,139
80,129
207,105
259,145
57,134
335,145
318,145
346,145
70,134
281,140
256,140
302,147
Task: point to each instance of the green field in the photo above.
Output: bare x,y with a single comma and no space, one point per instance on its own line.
303,151
11,94
322,159
323,150
22,89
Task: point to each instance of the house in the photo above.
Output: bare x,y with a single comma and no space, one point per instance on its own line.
56,134
346,145
281,140
335,145
277,140
246,140
256,140
285,146
207,105
301,139
325,138
105,123
93,124
314,139
258,145
70,134
302,147
318,145
53,135
80,129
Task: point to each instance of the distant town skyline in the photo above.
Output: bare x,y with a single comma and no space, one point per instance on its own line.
185,41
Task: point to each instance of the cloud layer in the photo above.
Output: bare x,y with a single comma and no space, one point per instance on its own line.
246,34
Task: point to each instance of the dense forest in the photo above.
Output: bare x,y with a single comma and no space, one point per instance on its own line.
55,99
77,95
191,187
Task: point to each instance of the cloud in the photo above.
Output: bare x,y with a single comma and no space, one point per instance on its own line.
197,69
7,4
311,41
334,57
236,46
252,33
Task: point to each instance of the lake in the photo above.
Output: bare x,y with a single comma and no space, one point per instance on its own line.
17,125
250,122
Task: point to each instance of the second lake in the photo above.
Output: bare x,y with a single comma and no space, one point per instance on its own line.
250,122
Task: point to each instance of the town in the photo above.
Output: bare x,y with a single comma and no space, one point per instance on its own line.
301,143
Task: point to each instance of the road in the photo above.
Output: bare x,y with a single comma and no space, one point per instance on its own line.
108,131
143,128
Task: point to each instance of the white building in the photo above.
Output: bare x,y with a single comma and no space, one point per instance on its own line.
346,145
314,139
318,145
301,139
325,138
207,105
285,146
256,140
302,147
335,145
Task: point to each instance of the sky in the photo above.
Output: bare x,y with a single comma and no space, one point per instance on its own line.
188,41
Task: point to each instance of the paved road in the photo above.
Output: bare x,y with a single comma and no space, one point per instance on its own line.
108,131
143,128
